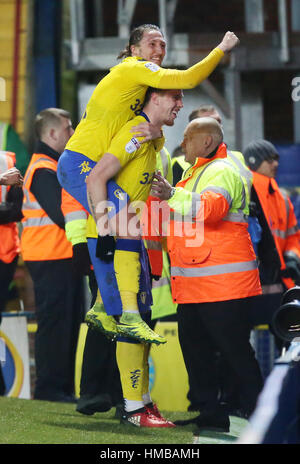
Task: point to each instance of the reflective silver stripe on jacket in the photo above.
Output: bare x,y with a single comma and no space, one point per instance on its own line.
38,222
239,216
197,199
213,270
161,282
200,175
3,168
292,230
31,204
164,162
222,191
285,233
279,233
75,215
244,171
27,204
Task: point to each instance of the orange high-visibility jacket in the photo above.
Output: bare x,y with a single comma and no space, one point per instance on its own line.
279,213
219,262
41,238
9,241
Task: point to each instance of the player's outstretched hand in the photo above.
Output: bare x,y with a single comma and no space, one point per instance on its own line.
230,40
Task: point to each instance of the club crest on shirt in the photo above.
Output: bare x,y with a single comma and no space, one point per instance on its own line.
152,66
119,194
132,145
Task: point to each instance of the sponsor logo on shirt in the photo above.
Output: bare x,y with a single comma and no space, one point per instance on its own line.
132,145
152,66
85,167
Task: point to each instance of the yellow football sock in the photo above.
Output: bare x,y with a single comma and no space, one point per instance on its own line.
98,297
130,360
145,387
128,269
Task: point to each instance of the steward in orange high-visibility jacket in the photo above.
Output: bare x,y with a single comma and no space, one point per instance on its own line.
224,266
41,238
278,245
279,211
10,213
9,242
214,271
47,253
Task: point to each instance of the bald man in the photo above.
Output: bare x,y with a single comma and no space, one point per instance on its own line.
214,273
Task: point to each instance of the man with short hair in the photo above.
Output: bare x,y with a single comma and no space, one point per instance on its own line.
214,273
227,380
278,248
11,196
48,255
205,111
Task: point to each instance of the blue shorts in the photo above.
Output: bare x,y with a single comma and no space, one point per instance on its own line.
72,170
107,282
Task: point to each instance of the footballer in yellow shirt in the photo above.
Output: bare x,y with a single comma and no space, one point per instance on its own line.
118,97
131,166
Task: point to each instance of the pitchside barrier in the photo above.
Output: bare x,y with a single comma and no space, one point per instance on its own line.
168,376
14,354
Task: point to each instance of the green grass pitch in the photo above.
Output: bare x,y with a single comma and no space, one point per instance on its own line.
41,422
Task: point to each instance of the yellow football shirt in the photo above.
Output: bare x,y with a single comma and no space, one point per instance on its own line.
120,94
138,164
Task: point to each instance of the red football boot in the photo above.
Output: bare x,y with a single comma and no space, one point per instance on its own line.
155,412
143,419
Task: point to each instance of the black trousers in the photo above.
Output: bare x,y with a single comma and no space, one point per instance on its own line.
260,313
59,302
7,272
207,328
